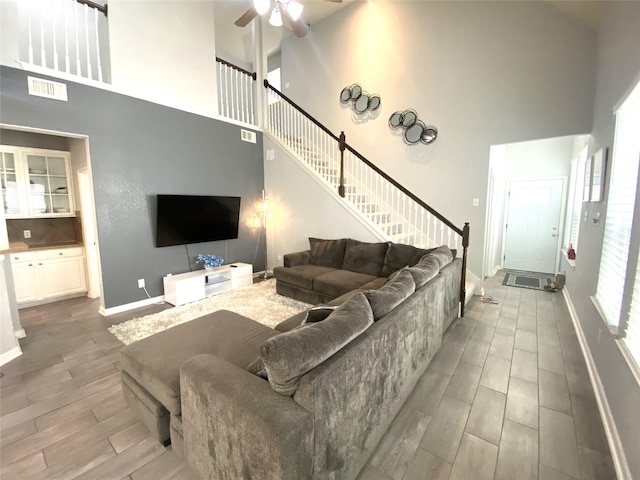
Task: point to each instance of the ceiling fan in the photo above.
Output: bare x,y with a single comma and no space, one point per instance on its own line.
289,9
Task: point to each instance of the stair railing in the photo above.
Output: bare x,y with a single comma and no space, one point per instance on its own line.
379,199
236,96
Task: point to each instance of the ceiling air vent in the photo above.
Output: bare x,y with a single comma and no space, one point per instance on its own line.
248,136
48,89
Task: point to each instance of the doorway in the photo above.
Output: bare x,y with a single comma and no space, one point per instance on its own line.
532,228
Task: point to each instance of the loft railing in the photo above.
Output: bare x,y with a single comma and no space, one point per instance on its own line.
68,36
235,92
379,199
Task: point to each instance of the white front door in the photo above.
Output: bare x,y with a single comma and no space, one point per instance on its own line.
533,222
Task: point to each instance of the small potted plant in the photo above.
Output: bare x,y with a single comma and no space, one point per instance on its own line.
210,261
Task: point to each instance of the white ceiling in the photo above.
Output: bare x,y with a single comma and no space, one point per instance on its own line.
237,41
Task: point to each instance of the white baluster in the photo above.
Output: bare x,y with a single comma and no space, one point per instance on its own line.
76,6
30,35
53,31
66,38
97,33
43,57
86,39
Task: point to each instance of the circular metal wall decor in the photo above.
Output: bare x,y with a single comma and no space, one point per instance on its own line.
359,100
414,130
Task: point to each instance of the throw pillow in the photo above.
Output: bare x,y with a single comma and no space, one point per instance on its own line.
289,356
426,269
363,257
399,255
317,314
442,254
392,294
257,368
327,253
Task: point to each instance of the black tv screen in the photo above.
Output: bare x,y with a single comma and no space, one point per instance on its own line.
184,219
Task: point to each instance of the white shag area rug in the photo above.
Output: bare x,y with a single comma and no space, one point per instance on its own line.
259,302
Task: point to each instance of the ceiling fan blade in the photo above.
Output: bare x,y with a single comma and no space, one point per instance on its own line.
246,17
334,1
298,26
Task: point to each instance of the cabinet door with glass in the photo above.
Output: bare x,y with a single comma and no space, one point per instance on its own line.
49,184
13,202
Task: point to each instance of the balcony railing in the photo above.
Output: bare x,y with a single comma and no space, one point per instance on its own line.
68,36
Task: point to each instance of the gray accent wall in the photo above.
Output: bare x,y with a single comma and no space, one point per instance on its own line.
139,149
618,70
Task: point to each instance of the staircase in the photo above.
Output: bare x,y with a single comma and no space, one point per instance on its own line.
388,208
377,199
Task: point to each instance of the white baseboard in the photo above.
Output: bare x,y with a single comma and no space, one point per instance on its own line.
129,306
10,355
610,429
20,333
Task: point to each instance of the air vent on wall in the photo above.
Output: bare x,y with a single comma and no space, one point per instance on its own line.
48,89
248,136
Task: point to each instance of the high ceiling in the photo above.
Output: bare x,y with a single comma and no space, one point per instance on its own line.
228,35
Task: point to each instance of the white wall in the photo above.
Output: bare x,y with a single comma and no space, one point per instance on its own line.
9,53
164,51
302,208
617,70
484,73
542,158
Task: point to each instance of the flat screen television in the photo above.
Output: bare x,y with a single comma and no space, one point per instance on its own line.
184,219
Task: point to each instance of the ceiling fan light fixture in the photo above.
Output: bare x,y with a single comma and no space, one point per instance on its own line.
276,17
294,9
261,6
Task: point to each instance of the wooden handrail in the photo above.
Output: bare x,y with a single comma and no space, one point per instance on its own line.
235,67
294,105
97,6
459,231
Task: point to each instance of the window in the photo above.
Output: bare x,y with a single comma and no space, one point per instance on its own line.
574,201
621,236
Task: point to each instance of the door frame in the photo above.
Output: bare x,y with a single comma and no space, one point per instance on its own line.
563,208
92,251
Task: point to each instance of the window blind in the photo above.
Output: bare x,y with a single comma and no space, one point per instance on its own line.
620,207
628,143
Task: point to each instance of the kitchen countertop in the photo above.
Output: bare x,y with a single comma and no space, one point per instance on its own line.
15,247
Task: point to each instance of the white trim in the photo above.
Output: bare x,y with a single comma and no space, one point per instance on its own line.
27,67
610,429
105,312
6,357
626,353
20,333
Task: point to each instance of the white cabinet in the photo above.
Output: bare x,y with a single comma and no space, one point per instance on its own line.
36,183
42,275
193,286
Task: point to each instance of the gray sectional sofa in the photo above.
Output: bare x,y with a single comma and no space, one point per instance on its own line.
331,268
309,399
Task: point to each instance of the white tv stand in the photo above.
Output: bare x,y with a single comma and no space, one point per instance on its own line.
193,286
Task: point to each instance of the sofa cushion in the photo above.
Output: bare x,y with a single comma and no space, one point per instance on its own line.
301,276
426,269
327,253
290,355
399,255
154,362
363,257
392,294
339,282
442,254
375,283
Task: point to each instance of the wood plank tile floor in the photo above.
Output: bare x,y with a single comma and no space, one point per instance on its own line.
507,397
